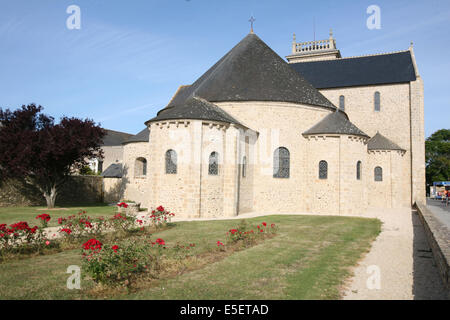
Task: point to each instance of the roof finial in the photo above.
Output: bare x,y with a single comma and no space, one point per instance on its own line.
252,19
411,44
294,38
331,33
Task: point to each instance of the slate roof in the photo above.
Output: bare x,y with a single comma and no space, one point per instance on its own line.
142,136
113,171
360,71
336,123
380,142
195,108
115,138
251,71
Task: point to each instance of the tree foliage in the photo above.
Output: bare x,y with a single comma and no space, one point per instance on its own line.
35,149
437,153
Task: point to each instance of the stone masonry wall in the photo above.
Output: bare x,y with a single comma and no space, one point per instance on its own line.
394,121
136,187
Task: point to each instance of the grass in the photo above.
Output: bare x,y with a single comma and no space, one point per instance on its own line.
310,258
11,215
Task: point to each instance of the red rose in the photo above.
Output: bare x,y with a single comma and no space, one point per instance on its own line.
115,248
44,217
160,241
160,208
66,230
264,224
92,244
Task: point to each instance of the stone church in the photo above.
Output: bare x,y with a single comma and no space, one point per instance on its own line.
318,133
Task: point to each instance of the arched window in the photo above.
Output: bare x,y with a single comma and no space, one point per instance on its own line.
171,162
323,170
377,101
378,174
244,166
358,170
281,163
140,167
213,168
342,103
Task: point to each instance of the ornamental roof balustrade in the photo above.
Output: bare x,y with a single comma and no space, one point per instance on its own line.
313,46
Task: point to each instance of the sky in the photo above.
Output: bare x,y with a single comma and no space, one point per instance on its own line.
129,57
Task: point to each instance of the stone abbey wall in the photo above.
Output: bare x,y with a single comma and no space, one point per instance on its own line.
192,192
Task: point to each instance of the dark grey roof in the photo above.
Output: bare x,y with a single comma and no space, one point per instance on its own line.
251,71
380,142
113,171
180,96
360,71
115,138
336,123
195,108
142,136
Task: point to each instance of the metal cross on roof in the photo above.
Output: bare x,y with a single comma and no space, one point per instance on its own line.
251,22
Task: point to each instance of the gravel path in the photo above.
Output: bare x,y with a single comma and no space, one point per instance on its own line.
403,258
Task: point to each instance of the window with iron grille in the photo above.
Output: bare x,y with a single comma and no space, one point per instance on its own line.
358,170
213,168
281,163
377,101
378,174
323,169
171,162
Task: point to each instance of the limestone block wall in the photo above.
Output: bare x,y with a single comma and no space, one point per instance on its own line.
111,155
401,186
212,200
178,192
137,188
323,196
231,172
417,141
393,119
247,146
113,190
400,119
192,192
380,192
278,125
353,195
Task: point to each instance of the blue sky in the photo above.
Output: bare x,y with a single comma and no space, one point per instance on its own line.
129,57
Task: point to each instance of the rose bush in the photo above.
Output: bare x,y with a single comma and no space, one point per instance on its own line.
119,263
20,237
161,217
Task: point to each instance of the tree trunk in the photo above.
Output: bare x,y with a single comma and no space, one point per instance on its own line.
51,197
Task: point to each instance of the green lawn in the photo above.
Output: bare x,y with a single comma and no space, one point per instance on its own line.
10,215
309,259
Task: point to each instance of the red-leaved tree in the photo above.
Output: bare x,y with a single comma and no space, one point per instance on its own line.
35,150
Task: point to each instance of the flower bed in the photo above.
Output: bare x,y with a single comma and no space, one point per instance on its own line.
20,238
122,263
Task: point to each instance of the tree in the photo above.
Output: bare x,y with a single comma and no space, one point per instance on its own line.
35,150
437,154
